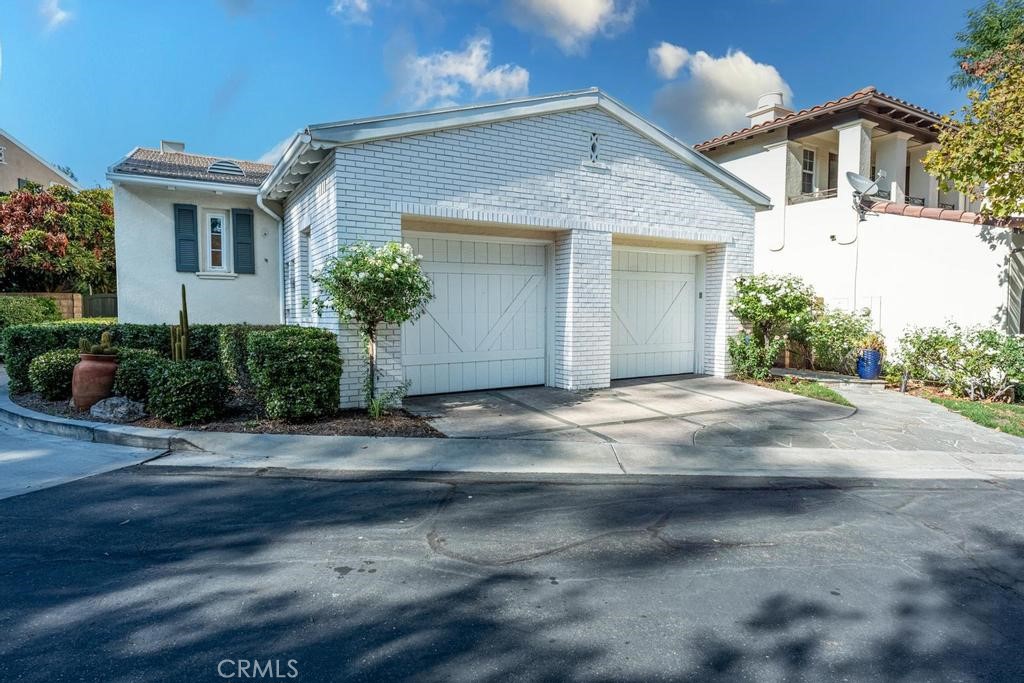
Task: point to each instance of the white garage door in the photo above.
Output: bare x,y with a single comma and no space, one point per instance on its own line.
484,328
653,309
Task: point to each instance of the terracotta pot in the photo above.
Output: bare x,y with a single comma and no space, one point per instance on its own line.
93,379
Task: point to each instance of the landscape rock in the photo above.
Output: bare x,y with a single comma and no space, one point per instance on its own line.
118,409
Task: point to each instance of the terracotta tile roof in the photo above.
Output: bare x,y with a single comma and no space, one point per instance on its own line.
971,217
184,166
861,96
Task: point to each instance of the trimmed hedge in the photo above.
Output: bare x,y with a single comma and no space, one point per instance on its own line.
21,343
25,310
186,392
134,368
233,345
50,373
296,372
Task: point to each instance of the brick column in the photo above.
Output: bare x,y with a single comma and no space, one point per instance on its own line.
582,315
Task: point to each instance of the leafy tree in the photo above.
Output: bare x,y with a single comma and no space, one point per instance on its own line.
982,153
57,239
369,286
992,38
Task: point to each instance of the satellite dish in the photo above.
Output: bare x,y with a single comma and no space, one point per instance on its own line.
861,184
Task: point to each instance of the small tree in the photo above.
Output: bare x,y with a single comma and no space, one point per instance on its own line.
369,286
773,305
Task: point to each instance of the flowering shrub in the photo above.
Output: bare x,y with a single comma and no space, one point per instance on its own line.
753,358
975,363
369,286
773,305
835,338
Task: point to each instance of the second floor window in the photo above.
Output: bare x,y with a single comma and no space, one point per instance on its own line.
807,172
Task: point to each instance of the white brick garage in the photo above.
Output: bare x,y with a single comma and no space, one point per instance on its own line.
574,169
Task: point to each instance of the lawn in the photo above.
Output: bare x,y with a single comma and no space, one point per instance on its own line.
1006,417
808,388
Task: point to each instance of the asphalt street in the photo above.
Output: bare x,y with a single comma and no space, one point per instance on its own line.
168,574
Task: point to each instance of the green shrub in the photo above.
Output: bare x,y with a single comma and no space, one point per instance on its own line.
834,337
295,372
188,391
21,343
975,363
772,306
751,358
50,373
24,310
134,368
232,345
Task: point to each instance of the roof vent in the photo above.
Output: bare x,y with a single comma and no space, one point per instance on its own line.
225,167
171,146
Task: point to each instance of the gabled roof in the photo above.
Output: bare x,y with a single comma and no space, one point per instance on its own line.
153,163
310,146
865,96
64,176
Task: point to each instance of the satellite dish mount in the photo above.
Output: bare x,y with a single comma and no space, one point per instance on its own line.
863,187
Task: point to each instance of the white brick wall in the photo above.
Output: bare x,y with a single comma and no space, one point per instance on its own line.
532,172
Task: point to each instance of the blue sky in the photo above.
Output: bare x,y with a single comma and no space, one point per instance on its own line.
84,81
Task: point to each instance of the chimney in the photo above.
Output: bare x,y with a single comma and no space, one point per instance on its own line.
769,107
171,146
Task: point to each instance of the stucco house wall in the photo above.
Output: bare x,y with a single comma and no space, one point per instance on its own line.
530,172
148,284
19,163
908,271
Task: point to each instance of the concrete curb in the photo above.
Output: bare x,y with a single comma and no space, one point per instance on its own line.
230,450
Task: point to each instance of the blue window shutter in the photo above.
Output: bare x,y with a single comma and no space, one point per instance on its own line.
245,244
186,238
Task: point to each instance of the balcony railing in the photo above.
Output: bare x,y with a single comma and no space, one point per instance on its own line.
812,196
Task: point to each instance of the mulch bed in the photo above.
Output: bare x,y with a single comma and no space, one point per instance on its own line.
242,416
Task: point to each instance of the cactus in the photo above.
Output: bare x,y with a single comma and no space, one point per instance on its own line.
179,332
104,348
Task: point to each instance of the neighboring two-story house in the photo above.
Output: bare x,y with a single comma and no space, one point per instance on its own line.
20,166
921,256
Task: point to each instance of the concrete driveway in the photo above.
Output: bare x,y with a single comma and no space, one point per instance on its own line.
692,410
666,410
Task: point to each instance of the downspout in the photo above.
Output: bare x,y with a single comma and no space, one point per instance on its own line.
280,254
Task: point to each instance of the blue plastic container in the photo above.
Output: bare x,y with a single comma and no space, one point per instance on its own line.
869,364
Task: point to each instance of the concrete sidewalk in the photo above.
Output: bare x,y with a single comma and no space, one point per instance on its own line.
266,451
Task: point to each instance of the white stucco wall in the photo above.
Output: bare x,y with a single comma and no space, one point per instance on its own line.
148,286
530,172
909,271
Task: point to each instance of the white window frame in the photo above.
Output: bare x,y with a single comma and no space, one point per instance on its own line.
306,272
224,241
812,172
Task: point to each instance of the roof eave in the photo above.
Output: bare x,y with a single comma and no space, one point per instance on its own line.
181,183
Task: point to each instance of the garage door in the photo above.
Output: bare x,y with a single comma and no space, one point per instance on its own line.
485,327
653,309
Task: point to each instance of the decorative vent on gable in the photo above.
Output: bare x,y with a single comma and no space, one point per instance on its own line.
3,155
225,167
593,148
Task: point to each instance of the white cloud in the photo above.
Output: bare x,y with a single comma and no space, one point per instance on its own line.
573,23
352,11
274,153
667,59
54,14
715,94
447,77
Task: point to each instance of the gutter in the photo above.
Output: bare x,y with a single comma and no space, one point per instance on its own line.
175,183
280,254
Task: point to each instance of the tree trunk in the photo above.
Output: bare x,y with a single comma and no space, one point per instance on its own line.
371,355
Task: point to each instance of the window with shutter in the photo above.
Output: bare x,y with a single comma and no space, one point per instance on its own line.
243,232
186,238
